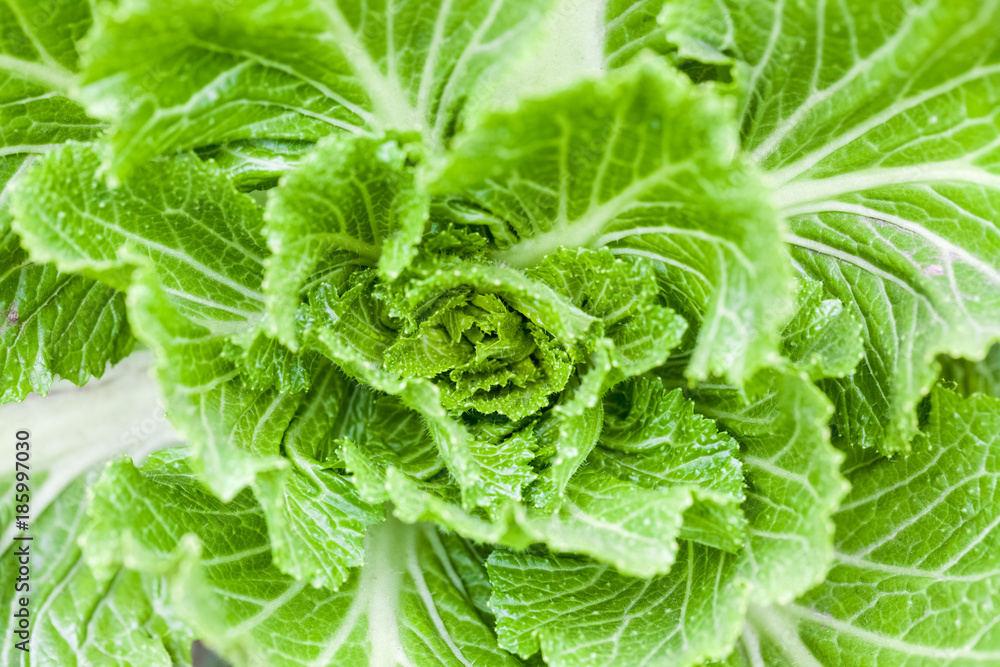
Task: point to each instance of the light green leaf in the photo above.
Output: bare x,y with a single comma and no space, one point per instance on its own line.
625,508
316,521
404,607
316,518
621,292
188,247
76,619
583,613
792,478
631,26
653,438
234,428
352,202
52,323
575,426
632,527
915,578
612,520
641,162
876,124
390,434
196,74
181,218
823,338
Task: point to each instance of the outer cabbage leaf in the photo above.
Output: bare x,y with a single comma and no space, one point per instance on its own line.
915,580
189,249
197,74
580,612
641,162
77,619
877,125
630,27
406,606
53,323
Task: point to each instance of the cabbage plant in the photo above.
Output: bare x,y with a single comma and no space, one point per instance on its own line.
502,332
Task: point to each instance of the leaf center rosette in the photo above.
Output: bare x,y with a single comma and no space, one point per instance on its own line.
481,353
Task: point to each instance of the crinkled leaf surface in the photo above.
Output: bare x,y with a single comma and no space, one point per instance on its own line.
653,438
198,248
625,508
877,126
198,74
52,323
695,612
406,606
352,202
792,477
823,338
77,619
641,162
914,581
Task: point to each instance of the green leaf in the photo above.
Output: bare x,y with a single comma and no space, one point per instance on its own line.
823,338
199,252
180,218
53,323
874,123
915,578
793,483
575,425
583,612
316,518
76,619
234,427
682,480
615,521
352,202
580,612
621,292
405,606
632,26
653,438
643,163
316,522
196,74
